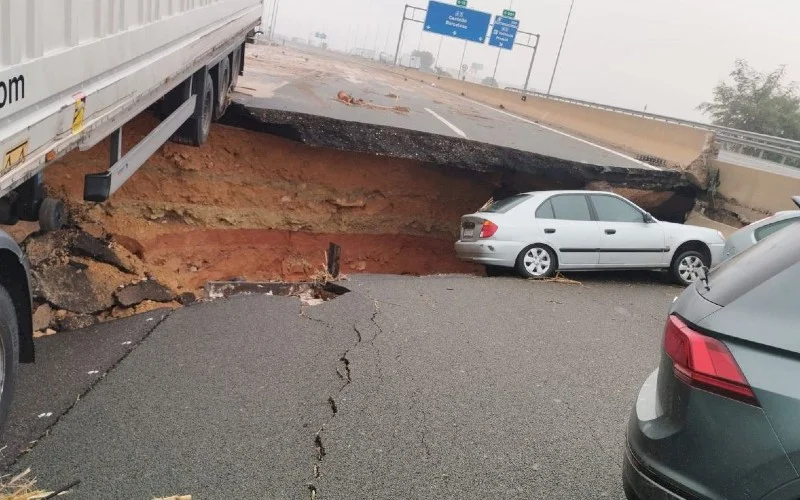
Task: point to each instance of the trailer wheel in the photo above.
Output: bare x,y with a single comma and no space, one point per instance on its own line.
9,354
52,214
222,88
196,129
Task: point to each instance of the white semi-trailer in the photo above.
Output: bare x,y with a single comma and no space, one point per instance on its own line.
74,72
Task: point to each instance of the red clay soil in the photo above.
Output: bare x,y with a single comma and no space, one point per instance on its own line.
257,206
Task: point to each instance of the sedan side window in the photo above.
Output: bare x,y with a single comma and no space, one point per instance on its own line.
611,209
545,211
571,207
769,229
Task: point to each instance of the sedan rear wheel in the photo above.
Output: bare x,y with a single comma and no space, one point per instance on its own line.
687,267
536,262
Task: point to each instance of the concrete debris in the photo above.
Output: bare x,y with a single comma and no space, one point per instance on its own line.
309,298
43,333
46,247
77,322
144,290
79,280
43,317
79,291
89,246
346,98
80,266
187,298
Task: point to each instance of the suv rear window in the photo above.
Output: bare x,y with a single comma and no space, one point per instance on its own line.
504,205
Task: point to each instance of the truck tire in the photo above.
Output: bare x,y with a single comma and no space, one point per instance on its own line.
222,88
196,129
52,214
9,354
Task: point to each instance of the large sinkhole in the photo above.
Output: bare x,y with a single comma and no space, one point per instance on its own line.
265,206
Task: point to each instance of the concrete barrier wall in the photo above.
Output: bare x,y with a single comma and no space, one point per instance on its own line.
677,144
757,189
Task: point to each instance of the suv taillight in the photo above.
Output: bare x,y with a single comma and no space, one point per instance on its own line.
488,229
705,362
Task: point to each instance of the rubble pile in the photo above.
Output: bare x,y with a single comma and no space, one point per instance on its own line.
79,280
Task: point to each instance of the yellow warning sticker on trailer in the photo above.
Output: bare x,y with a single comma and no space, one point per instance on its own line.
15,157
77,115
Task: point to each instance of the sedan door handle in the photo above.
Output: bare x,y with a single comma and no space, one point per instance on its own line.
611,231
549,231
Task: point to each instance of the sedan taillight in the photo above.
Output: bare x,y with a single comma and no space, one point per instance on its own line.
705,363
488,229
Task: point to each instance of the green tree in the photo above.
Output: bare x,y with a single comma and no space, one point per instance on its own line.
757,102
425,59
491,82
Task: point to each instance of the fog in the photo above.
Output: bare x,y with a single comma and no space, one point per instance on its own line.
665,55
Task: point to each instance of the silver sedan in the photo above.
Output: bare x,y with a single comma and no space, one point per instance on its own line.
540,233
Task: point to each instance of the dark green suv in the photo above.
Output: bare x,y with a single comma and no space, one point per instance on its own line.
720,417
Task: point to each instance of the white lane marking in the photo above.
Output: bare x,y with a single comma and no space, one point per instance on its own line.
452,127
646,165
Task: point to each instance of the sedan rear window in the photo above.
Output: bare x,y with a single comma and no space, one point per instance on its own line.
504,205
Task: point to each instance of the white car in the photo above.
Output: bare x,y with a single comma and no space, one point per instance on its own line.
539,233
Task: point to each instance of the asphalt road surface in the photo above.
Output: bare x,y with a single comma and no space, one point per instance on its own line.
307,82
759,164
439,387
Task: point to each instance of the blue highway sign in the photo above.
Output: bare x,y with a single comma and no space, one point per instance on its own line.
504,32
457,22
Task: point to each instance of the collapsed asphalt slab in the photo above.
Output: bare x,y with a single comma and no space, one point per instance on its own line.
67,367
668,194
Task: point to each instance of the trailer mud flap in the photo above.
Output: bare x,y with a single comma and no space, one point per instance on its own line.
100,187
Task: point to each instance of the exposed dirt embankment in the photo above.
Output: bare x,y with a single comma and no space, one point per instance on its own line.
257,206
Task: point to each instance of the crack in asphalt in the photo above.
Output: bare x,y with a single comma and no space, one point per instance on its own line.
346,377
133,347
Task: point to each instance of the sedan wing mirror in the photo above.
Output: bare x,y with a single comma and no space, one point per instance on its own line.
796,200
648,218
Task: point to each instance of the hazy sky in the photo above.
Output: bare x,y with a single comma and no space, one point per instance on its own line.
663,54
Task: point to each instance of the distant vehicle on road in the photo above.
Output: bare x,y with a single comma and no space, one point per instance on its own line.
16,330
539,233
718,418
748,236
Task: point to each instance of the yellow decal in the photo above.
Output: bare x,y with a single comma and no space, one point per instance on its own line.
77,115
15,157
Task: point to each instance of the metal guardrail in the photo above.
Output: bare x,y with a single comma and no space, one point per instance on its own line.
726,136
